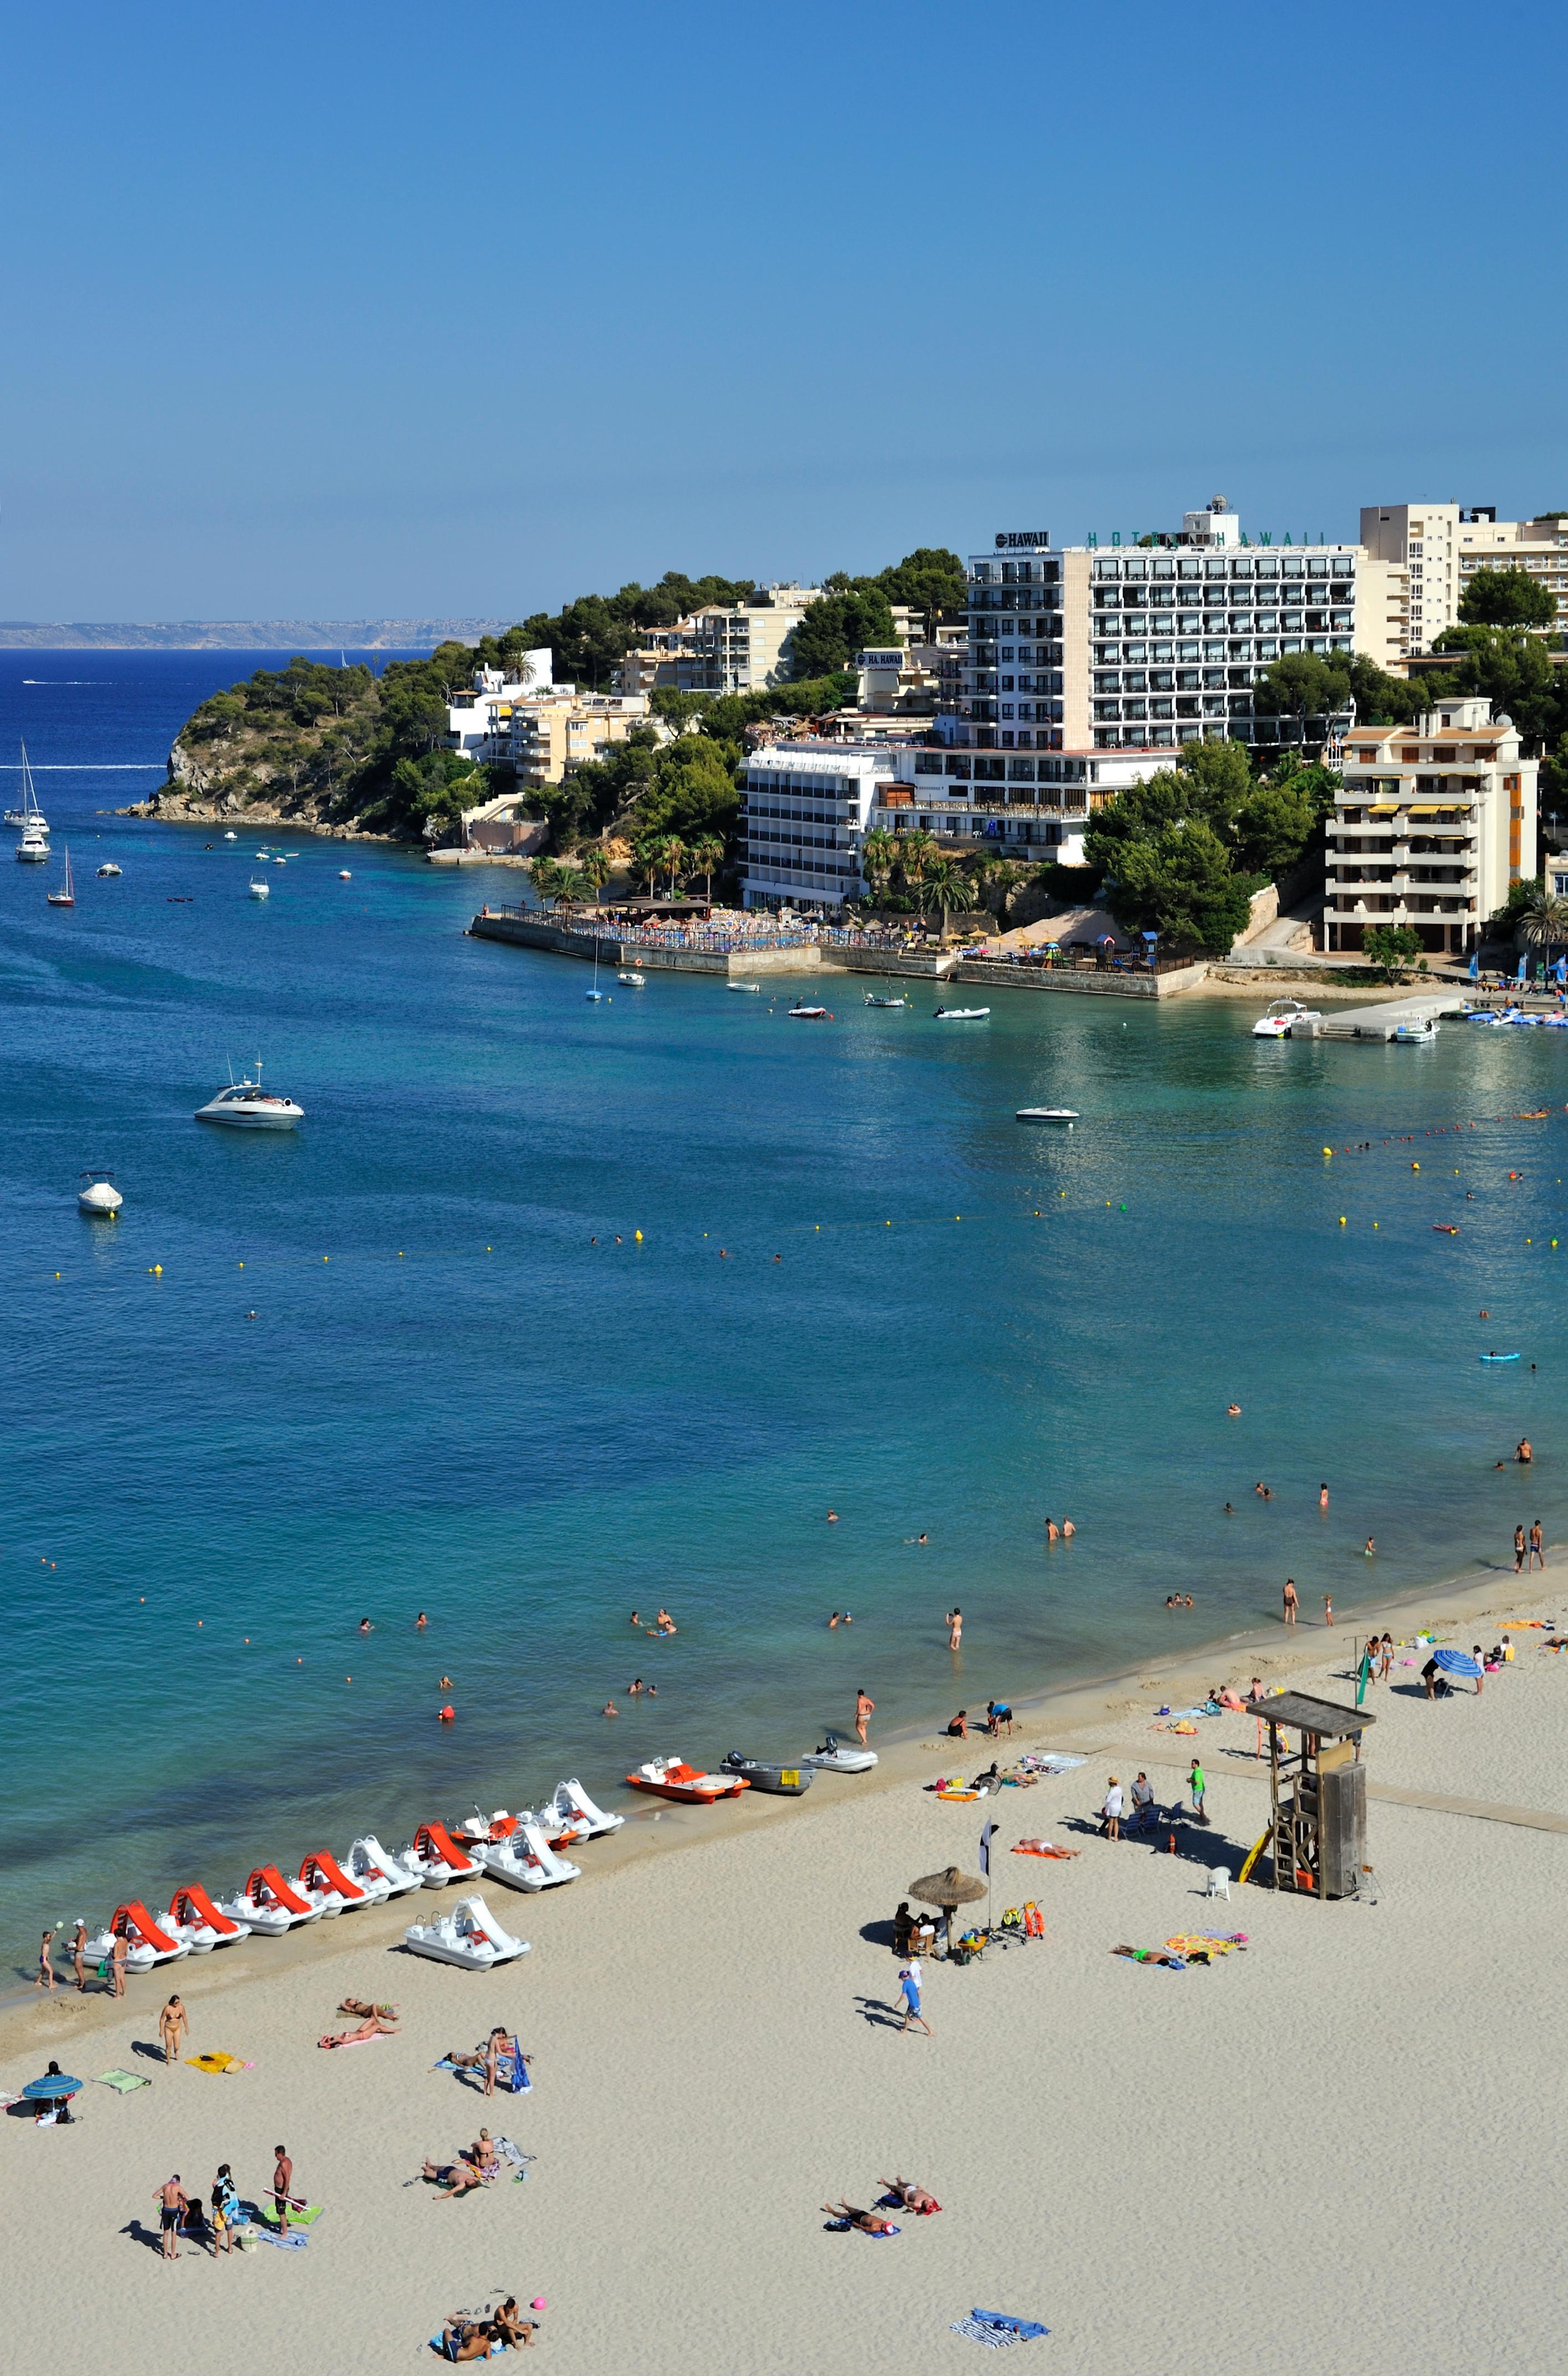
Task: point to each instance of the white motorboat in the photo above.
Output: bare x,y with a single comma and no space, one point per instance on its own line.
469,1934
246,1105
149,1941
231,837
260,890
836,1757
269,1904
751,987
960,1014
344,876
33,847
1048,1113
1417,1035
437,1858
802,1014
194,1921
872,999
634,980
378,1872
1281,1014
571,1800
97,1197
109,867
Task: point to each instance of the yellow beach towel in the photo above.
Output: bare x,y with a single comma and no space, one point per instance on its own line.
217,2064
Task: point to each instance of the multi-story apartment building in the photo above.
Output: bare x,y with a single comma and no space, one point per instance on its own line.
1443,545
542,742
477,720
1149,647
804,814
721,648
1434,822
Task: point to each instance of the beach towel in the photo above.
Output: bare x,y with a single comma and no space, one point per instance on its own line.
1024,2327
122,2082
1197,1946
438,2346
291,2242
305,2215
217,2064
1043,1848
1047,1761
347,2037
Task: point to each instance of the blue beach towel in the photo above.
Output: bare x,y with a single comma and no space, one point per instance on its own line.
997,2332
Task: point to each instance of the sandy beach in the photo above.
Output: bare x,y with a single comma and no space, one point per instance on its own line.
1345,2133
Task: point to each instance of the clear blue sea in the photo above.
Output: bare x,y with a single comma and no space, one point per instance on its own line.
450,1398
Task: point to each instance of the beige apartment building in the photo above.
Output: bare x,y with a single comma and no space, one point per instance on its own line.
542,742
721,648
1434,822
1443,545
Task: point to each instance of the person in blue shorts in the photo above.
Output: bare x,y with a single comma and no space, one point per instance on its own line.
909,1981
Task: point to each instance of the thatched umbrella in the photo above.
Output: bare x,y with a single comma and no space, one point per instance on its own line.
948,1889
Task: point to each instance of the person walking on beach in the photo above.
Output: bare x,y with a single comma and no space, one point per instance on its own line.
1384,1657
1197,1783
173,2207
954,1621
46,1963
78,1957
282,2180
865,1708
224,2204
1290,1600
1518,1550
172,2028
1538,1549
909,1982
1110,1813
117,1953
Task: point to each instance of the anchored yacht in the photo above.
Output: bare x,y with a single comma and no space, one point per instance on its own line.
247,1106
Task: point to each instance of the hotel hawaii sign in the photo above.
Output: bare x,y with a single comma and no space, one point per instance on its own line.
1264,537
1016,539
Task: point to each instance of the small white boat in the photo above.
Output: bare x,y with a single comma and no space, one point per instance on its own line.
753,987
378,1872
261,890
960,1014
437,1858
801,1014
231,837
1048,1113
109,867
98,1196
469,1934
1416,1034
246,1105
150,1940
836,1757
344,876
1284,1012
872,999
572,1801
518,1853
67,895
33,847
634,980
279,861
269,1904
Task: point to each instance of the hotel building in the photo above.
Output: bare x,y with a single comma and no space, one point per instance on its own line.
1433,825
1441,546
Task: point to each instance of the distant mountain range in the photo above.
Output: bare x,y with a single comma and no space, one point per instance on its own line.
244,634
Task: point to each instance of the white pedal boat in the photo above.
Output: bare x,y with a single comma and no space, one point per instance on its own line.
194,1921
378,1872
469,1934
325,1883
437,1858
269,1904
526,1859
572,1801
150,1940
836,1757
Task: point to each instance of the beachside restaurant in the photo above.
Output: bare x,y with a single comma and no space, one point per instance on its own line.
1317,1835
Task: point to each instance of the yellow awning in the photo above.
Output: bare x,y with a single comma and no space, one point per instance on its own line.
1435,808
1383,808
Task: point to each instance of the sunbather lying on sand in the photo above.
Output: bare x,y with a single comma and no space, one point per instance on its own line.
360,2010
912,2197
377,2026
464,2338
452,2178
867,2221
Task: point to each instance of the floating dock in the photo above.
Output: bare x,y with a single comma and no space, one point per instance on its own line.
1378,1022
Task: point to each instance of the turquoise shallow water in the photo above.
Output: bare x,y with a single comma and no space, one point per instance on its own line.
468,1407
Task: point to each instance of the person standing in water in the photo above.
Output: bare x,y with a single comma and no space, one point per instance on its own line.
865,1707
954,1621
1289,1597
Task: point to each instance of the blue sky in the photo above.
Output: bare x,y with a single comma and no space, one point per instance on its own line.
379,311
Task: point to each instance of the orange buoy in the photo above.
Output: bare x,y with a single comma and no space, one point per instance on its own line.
447,1715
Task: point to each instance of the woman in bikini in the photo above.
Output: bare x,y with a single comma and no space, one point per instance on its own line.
869,2223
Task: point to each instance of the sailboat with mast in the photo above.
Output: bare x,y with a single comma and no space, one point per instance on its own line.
67,895
33,847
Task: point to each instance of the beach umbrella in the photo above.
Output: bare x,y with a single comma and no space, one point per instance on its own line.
51,2089
1456,1662
948,1889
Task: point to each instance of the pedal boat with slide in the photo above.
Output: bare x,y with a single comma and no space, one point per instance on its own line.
378,1872
436,1858
198,1924
149,1941
269,1905
572,1804
514,1850
469,1934
671,1778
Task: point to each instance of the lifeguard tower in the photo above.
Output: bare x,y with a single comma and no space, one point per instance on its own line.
1317,1835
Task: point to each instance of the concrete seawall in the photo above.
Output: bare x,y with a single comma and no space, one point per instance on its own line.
757,965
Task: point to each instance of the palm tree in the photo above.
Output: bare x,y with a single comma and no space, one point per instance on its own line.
945,886
547,880
648,862
672,858
916,852
877,856
1545,922
706,855
594,868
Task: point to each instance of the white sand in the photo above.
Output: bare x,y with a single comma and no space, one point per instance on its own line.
1339,2146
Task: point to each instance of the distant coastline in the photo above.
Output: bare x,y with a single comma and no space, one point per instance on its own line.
242,634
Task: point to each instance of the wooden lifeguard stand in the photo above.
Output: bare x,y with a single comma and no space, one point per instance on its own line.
1318,1838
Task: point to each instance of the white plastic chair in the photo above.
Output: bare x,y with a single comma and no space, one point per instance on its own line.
1219,1883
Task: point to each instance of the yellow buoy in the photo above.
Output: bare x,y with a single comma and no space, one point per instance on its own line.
638,1235
158,1270
1342,1220
1328,1151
